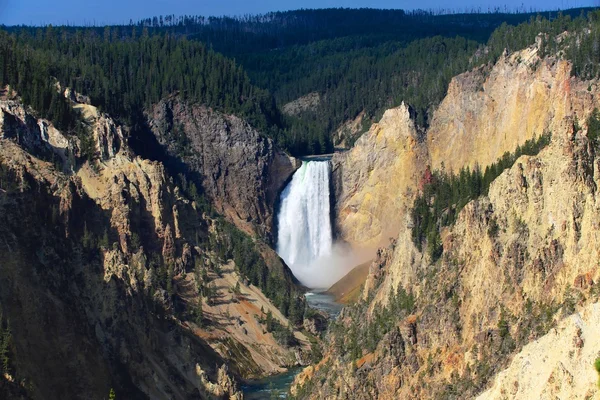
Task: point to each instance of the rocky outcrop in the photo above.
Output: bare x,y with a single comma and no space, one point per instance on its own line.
240,170
350,130
119,260
378,175
556,366
490,111
309,102
38,137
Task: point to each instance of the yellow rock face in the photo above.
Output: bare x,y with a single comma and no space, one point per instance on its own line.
376,178
487,112
559,365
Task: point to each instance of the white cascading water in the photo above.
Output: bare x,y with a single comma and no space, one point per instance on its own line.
304,235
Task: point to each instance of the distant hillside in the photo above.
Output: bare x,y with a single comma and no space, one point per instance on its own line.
359,61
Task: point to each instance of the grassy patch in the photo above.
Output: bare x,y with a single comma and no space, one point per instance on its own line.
597,366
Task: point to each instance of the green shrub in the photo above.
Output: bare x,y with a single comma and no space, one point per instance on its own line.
493,228
597,366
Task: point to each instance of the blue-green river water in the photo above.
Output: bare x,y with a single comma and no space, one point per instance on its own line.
277,386
273,387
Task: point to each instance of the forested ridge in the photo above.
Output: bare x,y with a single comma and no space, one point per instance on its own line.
122,76
359,61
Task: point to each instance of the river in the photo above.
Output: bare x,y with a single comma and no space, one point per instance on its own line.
277,386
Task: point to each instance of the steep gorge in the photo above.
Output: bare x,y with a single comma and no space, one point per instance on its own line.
153,261
514,263
115,276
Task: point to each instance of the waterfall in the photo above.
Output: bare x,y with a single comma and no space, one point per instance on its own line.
304,235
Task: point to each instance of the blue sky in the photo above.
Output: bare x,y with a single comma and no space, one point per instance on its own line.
120,11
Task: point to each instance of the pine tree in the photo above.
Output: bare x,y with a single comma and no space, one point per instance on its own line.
5,340
170,276
87,239
269,321
199,314
104,240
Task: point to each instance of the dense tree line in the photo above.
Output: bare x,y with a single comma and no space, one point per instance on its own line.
125,72
444,195
122,76
568,35
286,28
369,80
31,77
358,60
369,60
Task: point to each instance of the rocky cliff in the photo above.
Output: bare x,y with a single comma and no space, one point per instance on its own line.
555,366
240,170
113,276
490,111
486,112
515,263
376,176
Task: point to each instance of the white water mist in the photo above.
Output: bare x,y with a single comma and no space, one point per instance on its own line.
305,240
304,216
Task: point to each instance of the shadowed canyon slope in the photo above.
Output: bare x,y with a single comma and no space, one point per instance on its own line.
242,171
113,277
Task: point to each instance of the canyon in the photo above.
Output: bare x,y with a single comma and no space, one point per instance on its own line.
516,262
80,245
175,258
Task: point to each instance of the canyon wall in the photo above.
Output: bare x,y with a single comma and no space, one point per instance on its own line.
111,275
516,262
377,176
241,171
487,111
